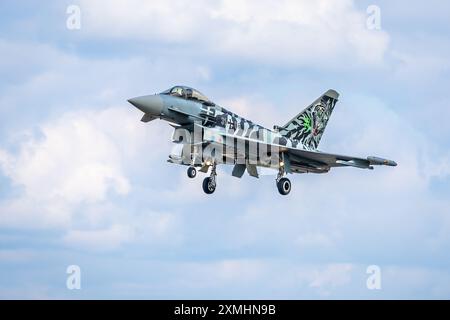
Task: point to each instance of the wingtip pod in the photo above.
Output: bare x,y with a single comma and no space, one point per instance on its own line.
381,162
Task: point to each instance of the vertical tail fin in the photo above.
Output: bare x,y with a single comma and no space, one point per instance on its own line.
308,126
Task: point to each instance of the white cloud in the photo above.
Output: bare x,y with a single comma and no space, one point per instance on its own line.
289,32
110,228
105,239
314,239
77,159
429,283
332,276
256,109
72,172
421,67
250,278
14,255
73,162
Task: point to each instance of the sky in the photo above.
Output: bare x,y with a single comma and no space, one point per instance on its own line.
83,182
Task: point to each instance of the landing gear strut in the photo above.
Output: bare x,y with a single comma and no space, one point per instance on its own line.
283,184
209,183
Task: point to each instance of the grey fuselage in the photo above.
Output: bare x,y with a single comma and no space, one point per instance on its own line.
186,113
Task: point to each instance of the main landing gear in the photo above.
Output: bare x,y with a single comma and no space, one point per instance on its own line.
283,184
209,183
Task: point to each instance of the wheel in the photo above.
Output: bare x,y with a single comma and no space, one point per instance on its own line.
209,185
191,172
284,186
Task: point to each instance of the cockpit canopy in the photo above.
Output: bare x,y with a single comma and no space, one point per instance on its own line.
187,93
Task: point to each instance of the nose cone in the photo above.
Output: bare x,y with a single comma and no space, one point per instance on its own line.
152,105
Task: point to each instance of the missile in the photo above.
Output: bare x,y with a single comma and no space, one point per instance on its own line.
356,164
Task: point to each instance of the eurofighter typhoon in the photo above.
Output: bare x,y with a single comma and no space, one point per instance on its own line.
208,135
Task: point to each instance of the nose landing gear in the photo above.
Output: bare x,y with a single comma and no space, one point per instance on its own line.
191,172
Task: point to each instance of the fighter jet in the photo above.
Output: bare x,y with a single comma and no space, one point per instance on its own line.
208,135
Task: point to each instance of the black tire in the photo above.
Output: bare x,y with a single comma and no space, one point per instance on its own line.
191,172
284,186
208,186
